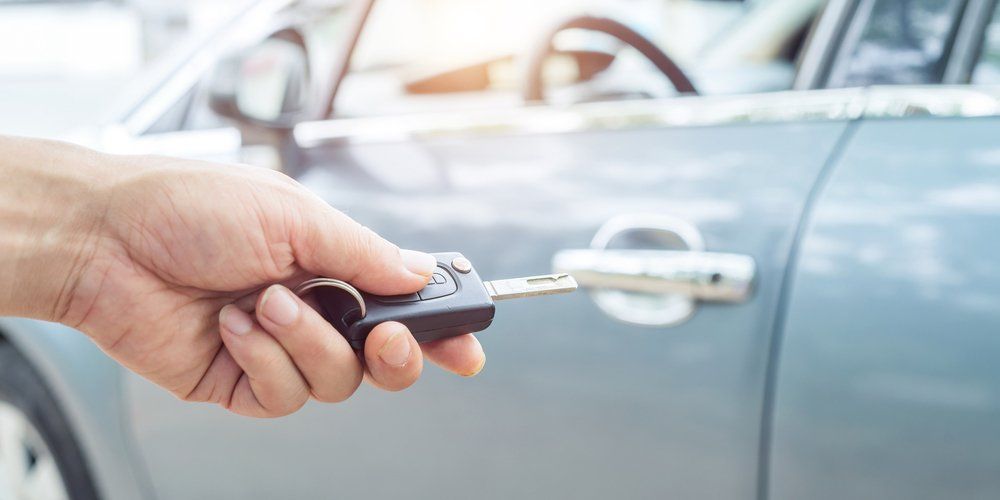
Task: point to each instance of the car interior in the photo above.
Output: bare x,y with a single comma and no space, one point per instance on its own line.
564,52
568,51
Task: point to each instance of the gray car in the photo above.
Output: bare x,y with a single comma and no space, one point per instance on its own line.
787,238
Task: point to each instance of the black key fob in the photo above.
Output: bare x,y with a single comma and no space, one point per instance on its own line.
454,302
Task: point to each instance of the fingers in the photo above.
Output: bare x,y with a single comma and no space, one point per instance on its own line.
322,355
331,367
271,385
291,353
462,355
332,244
392,357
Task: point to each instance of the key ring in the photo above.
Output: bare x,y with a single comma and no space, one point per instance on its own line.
330,282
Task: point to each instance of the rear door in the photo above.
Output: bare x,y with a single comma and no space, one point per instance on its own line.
893,392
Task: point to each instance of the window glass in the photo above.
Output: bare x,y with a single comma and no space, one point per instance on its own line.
323,28
421,55
428,55
987,70
897,42
174,119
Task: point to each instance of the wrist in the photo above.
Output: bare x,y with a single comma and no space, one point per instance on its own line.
52,206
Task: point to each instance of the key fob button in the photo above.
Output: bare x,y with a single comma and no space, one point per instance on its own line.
398,299
462,265
441,284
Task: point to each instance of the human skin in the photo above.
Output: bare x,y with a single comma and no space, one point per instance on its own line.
180,269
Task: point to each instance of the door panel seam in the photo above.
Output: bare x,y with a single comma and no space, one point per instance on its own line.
781,314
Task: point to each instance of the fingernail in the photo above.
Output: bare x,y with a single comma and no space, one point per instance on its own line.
279,306
482,361
482,364
396,350
235,320
418,262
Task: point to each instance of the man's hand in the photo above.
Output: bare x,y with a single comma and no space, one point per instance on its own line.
180,271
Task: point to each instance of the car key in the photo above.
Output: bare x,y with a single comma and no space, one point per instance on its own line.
454,302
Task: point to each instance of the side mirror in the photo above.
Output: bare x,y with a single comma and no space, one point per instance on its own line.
266,85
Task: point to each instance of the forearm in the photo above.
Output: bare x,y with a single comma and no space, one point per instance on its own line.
52,201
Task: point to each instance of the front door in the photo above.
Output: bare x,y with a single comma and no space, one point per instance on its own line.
577,400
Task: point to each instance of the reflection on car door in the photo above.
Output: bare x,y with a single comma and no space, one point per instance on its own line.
574,403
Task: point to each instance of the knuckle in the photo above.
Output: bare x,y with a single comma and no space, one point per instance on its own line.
337,394
274,413
280,177
372,245
312,343
339,386
310,351
266,361
287,405
197,396
287,409
397,382
368,248
378,248
399,385
212,393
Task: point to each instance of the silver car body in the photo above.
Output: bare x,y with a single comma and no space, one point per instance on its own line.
865,341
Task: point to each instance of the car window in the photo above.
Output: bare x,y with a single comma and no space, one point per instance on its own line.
323,27
902,42
407,46
987,70
421,55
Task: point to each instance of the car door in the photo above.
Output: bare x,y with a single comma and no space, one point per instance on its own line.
575,401
893,392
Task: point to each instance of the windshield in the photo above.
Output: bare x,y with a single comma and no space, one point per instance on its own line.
413,50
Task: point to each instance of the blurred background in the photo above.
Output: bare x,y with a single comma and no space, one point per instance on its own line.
78,55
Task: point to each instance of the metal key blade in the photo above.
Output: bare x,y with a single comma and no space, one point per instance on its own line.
530,287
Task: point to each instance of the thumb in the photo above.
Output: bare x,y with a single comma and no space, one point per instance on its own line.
333,245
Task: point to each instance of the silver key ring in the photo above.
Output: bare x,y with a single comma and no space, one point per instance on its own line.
330,282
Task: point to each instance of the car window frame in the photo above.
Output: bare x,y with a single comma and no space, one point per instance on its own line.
836,23
852,34
979,16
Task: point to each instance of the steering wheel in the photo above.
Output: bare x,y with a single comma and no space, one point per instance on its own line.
534,87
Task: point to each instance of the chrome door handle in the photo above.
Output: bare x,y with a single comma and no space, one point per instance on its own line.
704,276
